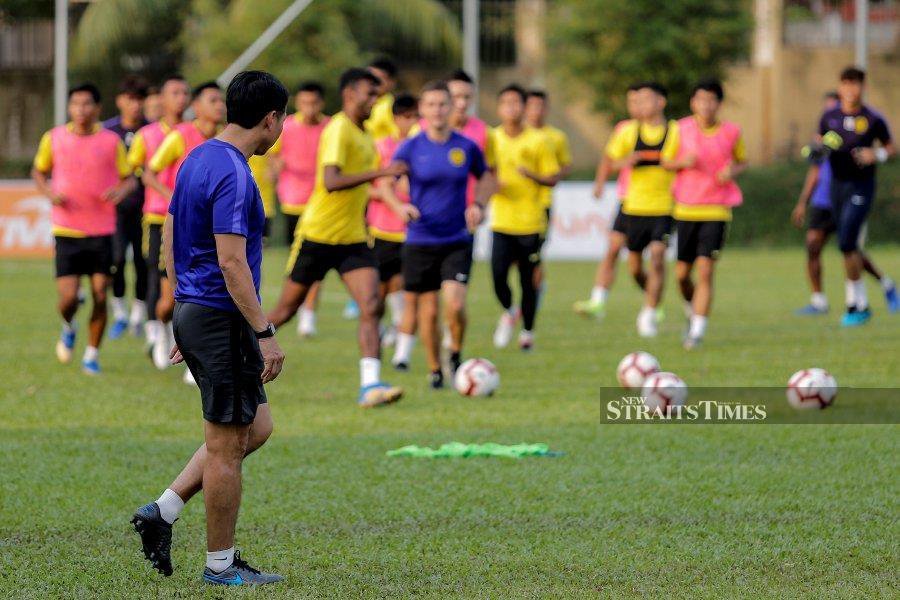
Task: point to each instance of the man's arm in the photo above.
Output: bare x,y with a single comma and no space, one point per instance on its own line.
168,153
42,182
484,189
404,210
335,180
798,215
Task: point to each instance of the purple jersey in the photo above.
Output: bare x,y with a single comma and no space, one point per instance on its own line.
821,196
858,130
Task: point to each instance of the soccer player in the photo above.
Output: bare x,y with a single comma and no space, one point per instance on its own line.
333,235
853,179
643,146
153,105
536,108
606,268
213,249
518,218
264,176
816,195
462,95
129,229
380,124
160,174
437,255
174,96
711,154
294,156
81,168
387,230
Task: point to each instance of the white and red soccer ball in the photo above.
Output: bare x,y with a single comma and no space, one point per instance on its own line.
635,368
477,377
663,390
811,388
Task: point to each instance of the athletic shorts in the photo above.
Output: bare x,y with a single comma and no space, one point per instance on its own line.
620,224
153,255
852,201
700,238
84,256
821,219
425,267
314,260
387,256
222,352
640,231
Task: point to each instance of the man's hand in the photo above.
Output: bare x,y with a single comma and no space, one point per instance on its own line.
725,175
395,169
175,356
474,216
864,156
273,358
114,194
798,215
408,212
597,192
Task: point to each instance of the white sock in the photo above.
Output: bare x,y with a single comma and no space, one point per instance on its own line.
403,347
220,560
91,353
68,326
819,300
138,311
369,371
151,330
513,312
307,318
395,302
886,283
688,309
648,312
859,290
170,506
698,326
598,294
850,293
120,313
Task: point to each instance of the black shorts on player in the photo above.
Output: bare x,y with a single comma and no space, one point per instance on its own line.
821,219
620,224
83,256
129,232
852,201
314,260
426,266
699,238
222,352
387,256
640,231
290,226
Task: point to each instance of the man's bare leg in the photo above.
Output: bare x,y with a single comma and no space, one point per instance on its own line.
226,446
428,312
292,296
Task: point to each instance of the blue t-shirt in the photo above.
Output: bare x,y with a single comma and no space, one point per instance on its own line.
859,130
821,196
438,176
214,193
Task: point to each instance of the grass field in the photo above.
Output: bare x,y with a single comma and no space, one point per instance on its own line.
716,511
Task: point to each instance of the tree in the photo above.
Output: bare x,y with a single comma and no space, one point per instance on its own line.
605,45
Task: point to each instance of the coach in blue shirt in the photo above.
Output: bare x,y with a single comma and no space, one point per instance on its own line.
213,249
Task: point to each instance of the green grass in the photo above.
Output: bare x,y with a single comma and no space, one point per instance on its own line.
717,511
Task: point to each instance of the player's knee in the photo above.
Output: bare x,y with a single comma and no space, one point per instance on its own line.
260,433
99,297
369,307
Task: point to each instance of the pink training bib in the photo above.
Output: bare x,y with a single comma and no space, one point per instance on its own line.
378,215
299,146
84,167
698,185
153,134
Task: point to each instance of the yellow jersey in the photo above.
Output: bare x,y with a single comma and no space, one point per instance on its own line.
517,208
261,169
380,123
559,145
710,212
649,192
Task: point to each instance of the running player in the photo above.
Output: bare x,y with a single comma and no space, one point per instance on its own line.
174,96
81,168
853,179
816,195
518,218
711,154
295,162
386,229
643,146
606,268
332,234
129,230
162,168
380,124
437,255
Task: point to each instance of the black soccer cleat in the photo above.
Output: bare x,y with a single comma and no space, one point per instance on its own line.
455,362
156,537
436,379
401,366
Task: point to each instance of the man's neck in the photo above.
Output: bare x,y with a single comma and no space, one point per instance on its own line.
706,123
851,108
657,119
171,120
129,123
458,121
438,134
207,128
537,124
513,128
354,115
313,120
244,140
83,129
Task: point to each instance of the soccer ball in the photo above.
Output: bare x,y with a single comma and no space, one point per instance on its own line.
811,388
634,369
662,390
477,377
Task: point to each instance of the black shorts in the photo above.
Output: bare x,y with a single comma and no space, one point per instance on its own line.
222,352
154,256
84,256
425,267
620,224
821,219
312,260
700,238
290,227
641,230
387,256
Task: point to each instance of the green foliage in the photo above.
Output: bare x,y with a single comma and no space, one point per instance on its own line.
605,45
12,10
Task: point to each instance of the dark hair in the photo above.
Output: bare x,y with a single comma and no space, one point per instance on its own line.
436,85
460,75
172,77
385,64
88,87
853,74
134,86
536,94
252,95
404,103
634,87
513,88
312,86
354,75
831,95
711,85
152,90
208,85
652,85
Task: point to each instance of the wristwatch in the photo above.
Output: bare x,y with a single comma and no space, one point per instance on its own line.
268,332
